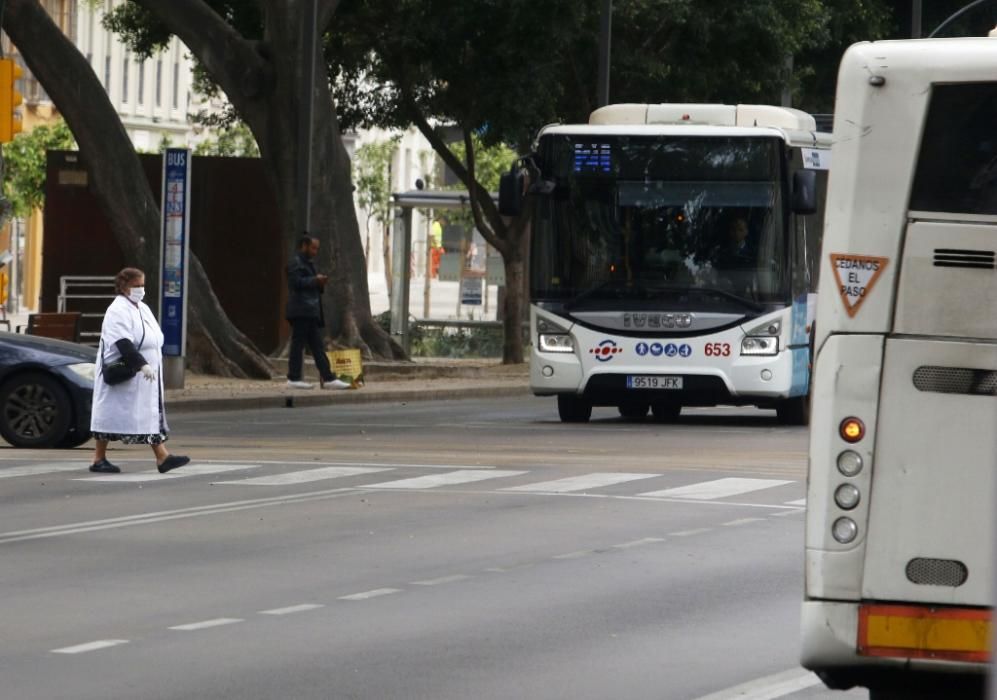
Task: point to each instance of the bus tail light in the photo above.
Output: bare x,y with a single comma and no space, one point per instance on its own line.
847,496
850,463
844,530
852,429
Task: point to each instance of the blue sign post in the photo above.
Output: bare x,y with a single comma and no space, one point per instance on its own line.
174,257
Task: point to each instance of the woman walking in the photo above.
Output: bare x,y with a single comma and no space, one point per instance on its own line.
128,399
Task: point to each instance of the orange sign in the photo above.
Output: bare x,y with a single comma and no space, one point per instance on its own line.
856,275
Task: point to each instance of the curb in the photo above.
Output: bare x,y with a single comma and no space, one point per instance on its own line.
306,399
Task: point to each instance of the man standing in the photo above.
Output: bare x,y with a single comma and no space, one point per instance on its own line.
304,312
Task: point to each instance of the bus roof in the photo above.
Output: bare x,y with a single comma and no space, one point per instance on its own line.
806,139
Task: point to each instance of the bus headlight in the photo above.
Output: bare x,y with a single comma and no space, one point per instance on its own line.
844,530
556,342
759,345
847,496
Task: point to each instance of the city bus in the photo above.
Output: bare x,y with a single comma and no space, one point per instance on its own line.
900,497
672,258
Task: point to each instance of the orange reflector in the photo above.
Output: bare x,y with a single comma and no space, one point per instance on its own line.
913,632
852,430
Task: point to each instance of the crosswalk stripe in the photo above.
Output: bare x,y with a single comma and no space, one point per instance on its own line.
303,477
461,476
38,469
718,488
580,483
189,470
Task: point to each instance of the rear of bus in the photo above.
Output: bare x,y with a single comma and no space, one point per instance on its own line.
899,538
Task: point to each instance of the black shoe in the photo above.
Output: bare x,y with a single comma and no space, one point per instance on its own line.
104,467
172,462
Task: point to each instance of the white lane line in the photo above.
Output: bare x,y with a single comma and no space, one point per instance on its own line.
441,580
162,516
575,555
801,502
38,469
382,465
205,624
581,483
718,488
189,470
638,543
690,533
742,521
304,477
778,685
367,595
461,476
784,513
90,646
291,609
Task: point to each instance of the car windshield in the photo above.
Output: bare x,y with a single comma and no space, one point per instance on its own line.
695,220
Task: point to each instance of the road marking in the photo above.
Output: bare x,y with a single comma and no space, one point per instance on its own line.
638,543
385,465
718,488
90,646
205,624
37,469
366,595
581,483
441,580
189,470
778,685
462,476
690,533
305,476
742,521
801,502
291,609
161,516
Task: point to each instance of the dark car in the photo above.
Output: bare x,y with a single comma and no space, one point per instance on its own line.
46,387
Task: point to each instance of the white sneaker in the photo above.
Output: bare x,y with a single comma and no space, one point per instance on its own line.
335,384
299,385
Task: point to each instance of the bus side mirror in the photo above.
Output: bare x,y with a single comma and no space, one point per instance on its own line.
804,192
511,186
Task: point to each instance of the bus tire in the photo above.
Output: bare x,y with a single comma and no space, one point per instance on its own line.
666,411
573,409
794,411
634,410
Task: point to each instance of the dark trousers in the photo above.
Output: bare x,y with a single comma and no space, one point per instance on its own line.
306,331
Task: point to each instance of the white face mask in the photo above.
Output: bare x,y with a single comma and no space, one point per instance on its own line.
136,294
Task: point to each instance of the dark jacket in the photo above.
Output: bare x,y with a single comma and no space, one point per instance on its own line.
304,294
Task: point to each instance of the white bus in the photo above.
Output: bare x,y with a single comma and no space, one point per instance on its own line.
672,258
900,498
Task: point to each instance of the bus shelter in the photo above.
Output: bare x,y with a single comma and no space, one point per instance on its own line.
401,249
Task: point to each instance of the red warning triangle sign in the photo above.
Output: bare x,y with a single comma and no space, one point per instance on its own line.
856,275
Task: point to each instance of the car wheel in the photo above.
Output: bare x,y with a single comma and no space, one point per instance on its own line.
666,411
634,411
573,409
35,411
74,438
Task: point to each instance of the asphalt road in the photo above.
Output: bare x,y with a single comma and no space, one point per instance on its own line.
430,550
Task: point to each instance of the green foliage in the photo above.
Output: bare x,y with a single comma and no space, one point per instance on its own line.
234,140
450,342
372,178
24,165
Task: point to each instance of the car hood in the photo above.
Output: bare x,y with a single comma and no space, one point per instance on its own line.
17,347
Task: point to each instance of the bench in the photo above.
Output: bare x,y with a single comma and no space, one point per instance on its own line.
61,326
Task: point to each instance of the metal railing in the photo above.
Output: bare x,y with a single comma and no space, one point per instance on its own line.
81,293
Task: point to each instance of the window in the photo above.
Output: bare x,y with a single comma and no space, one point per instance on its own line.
159,82
957,165
124,79
176,86
141,82
107,73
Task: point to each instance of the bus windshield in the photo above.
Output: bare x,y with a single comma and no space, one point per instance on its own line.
695,221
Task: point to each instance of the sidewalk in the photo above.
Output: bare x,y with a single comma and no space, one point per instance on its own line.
422,380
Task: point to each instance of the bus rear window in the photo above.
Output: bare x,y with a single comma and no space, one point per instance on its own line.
957,165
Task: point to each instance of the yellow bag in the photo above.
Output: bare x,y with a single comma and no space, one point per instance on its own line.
347,365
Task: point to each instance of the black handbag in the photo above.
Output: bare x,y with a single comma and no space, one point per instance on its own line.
119,371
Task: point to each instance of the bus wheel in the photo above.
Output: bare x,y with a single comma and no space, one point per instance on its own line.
634,411
666,411
794,411
573,409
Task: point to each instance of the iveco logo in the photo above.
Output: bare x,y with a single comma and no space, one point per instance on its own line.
656,320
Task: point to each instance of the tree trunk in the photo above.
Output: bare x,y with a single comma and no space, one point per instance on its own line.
386,257
120,185
514,303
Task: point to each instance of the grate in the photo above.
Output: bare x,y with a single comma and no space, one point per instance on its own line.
937,572
956,380
974,259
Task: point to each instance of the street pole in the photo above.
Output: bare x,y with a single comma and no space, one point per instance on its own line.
605,45
309,44
915,20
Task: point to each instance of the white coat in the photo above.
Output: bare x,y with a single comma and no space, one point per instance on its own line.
132,407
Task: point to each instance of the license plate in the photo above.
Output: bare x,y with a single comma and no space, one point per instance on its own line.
652,381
